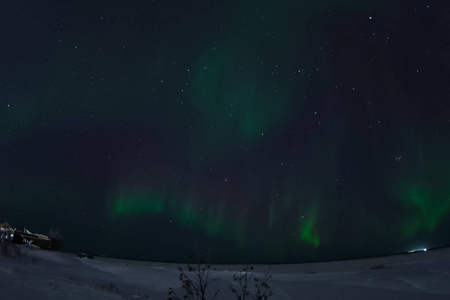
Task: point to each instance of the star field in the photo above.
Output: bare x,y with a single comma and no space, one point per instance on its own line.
266,131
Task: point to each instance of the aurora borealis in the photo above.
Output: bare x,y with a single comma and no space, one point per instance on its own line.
267,131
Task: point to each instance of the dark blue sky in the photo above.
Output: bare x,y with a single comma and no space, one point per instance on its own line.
268,131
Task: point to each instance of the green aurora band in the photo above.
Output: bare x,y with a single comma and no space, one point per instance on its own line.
426,208
137,204
422,185
308,231
144,202
248,108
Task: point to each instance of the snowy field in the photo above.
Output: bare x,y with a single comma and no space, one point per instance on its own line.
40,274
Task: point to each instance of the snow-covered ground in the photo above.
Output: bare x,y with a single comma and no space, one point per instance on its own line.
40,274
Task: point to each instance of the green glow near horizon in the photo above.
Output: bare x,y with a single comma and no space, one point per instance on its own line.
428,209
131,205
211,220
308,232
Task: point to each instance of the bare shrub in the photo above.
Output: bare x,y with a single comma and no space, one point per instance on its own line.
196,280
261,287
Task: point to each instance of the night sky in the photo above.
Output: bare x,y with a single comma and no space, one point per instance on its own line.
265,131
